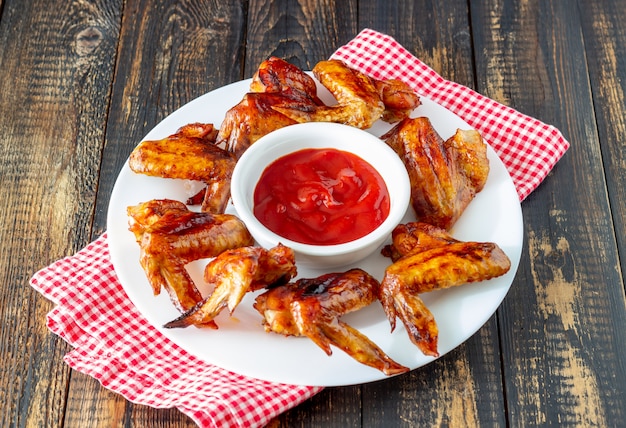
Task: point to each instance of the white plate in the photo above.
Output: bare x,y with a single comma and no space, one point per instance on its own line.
242,346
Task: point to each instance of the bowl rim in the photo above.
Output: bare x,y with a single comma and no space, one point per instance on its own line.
282,138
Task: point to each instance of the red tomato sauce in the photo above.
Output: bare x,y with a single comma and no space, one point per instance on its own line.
321,196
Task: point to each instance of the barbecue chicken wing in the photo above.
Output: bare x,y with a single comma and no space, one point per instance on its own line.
235,272
358,100
257,115
361,100
398,97
276,75
281,94
312,308
428,258
445,175
276,85
189,154
170,236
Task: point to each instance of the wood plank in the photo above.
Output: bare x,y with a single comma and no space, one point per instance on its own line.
302,32
57,63
561,338
605,48
168,54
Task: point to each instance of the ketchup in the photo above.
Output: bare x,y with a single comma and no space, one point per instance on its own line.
321,196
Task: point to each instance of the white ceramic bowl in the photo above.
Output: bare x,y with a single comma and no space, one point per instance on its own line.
321,135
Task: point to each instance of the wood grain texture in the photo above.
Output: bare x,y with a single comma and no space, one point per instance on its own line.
604,32
85,80
302,32
52,119
168,54
560,334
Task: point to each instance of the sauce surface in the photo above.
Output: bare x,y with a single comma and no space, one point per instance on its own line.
321,196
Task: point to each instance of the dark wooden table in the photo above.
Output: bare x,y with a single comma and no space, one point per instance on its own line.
83,81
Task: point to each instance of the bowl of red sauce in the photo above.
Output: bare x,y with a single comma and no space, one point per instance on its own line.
331,192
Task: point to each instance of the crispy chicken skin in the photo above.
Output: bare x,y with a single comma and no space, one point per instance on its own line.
312,307
281,94
189,154
361,100
358,100
275,85
235,272
170,236
445,175
430,259
257,115
415,237
277,75
398,97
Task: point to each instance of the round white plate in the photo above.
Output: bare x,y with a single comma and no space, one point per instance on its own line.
241,344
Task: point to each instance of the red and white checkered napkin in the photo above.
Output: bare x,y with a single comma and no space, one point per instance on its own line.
528,148
115,344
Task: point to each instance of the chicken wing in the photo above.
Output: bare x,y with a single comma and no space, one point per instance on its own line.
312,308
445,175
398,97
257,115
430,259
415,237
358,100
276,85
235,272
170,236
275,75
189,154
361,100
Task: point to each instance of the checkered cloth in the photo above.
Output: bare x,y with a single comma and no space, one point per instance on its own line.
116,345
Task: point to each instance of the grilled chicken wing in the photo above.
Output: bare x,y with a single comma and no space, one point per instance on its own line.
255,116
429,259
358,100
312,308
276,75
235,272
415,237
276,85
170,236
361,100
281,94
398,97
445,175
189,154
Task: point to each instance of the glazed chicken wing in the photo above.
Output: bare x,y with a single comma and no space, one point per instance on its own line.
189,154
313,307
361,100
281,94
257,115
445,175
415,237
275,75
276,85
430,259
398,97
358,100
235,272
170,236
